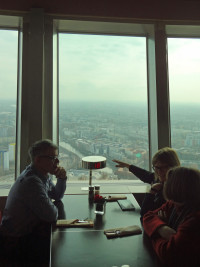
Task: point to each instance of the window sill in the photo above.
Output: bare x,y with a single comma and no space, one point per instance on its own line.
107,188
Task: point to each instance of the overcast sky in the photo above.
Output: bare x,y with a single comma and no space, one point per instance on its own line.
108,68
104,68
8,64
114,68
184,69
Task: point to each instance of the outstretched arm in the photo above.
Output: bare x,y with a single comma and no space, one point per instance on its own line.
142,174
121,164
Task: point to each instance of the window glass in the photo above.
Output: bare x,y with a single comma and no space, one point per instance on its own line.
102,104
184,84
8,93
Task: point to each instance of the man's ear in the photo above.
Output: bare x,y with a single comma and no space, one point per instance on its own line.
37,160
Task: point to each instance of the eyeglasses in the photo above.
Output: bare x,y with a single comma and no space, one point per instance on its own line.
53,158
161,168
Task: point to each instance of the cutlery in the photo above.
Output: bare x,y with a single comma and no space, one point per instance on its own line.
83,220
117,232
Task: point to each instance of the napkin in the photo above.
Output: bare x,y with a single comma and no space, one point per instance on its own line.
115,198
123,231
75,223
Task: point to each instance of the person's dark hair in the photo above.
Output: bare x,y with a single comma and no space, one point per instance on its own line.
183,186
40,147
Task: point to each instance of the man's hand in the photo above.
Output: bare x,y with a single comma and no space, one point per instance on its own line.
166,232
60,172
121,164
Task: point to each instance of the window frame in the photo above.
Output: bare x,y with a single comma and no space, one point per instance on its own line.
119,29
36,23
183,30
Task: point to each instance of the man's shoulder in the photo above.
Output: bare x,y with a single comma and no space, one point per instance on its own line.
29,175
26,185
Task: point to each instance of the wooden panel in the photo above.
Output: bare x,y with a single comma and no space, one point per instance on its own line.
155,9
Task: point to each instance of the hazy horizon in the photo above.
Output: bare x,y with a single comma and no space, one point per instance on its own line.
13,102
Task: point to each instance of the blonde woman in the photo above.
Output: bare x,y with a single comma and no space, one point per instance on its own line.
174,228
162,161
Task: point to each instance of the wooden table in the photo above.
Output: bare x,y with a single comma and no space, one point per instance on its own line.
79,247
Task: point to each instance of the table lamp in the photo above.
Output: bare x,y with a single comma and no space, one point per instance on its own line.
93,163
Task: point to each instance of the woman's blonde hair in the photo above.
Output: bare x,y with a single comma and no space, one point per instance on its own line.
183,186
166,156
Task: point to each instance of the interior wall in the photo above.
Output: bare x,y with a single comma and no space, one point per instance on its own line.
155,9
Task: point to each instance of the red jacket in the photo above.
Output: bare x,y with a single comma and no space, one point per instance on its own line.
183,248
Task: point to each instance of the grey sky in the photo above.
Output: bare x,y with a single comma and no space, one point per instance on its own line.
184,70
108,68
114,68
102,68
8,66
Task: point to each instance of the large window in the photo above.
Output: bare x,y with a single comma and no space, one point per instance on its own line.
8,93
102,103
184,83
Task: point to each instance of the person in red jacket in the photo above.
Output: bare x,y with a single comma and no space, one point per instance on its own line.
175,227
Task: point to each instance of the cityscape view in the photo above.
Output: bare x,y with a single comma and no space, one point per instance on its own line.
115,131
103,103
7,140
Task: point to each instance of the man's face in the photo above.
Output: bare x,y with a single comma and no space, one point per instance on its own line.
48,161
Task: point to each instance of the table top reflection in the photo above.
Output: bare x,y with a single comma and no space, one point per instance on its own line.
89,247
